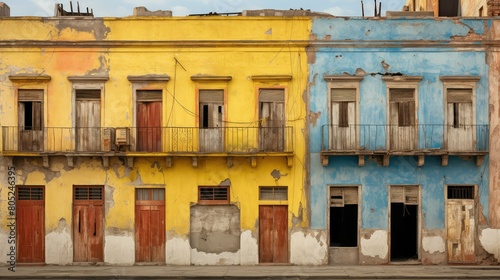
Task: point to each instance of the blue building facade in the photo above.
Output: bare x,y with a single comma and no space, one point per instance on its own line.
399,139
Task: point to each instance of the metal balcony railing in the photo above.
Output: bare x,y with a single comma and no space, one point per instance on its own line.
242,140
423,137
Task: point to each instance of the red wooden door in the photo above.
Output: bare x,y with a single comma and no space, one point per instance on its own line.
30,224
149,126
150,225
88,224
273,234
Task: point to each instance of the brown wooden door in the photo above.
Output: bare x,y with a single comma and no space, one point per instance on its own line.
88,122
271,120
88,224
30,224
460,230
273,234
150,225
149,126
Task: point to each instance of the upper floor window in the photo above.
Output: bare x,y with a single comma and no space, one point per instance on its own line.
272,119
30,119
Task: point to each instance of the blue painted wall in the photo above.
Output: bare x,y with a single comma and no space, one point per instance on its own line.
372,43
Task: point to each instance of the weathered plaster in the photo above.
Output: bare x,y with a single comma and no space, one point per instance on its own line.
374,244
178,251
490,241
249,253
225,258
308,248
59,245
119,249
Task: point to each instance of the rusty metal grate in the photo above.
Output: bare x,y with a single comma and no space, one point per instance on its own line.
214,195
460,192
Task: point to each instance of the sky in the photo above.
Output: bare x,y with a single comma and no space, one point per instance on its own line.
121,8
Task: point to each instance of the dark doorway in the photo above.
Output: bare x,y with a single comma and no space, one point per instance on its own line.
404,229
448,8
344,226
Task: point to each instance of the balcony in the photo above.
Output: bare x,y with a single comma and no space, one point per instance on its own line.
420,141
148,141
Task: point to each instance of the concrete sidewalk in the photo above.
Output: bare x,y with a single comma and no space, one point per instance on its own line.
252,272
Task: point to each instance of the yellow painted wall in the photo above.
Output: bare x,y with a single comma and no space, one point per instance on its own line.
239,47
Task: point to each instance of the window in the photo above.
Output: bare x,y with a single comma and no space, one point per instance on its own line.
213,195
344,216
460,192
481,11
148,120
88,193
272,119
402,104
343,106
30,119
29,193
211,118
460,117
273,193
150,194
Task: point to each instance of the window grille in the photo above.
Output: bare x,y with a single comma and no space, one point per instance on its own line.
88,193
273,193
460,192
213,195
30,193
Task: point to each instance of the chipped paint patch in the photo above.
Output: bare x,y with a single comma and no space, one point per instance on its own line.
250,247
225,258
308,248
119,249
277,174
433,244
490,240
313,117
178,251
4,247
58,245
375,245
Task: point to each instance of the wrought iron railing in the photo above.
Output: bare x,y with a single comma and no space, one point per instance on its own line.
462,138
149,139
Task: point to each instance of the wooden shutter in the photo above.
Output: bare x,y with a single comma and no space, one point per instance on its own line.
148,95
340,196
271,95
212,96
30,95
88,94
404,194
343,94
458,95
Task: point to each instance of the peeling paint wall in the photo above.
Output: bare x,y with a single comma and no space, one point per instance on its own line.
180,48
347,48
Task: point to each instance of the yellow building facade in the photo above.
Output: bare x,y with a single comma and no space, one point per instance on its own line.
155,140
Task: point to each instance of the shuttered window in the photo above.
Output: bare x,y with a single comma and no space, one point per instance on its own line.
211,108
402,102
30,109
340,196
148,95
150,194
459,107
343,106
404,194
273,193
213,195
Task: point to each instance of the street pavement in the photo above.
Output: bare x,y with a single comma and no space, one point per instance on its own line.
252,272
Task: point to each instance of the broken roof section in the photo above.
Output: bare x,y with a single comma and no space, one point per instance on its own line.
60,12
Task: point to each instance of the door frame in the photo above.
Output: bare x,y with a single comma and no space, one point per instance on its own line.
476,215
419,221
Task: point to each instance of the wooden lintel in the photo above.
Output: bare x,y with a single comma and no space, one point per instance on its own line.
105,161
46,161
71,161
324,160
444,160
386,160
194,161
289,161
130,162
361,160
253,161
229,162
479,160
420,160
168,161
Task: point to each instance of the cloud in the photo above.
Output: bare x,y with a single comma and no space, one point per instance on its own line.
180,11
336,11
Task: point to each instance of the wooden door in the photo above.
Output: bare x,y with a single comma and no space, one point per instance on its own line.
30,224
343,133
272,120
211,118
150,226
461,229
88,222
273,234
461,132
88,121
149,126
30,126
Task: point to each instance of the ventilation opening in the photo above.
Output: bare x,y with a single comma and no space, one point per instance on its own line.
460,192
213,195
88,193
404,232
30,193
150,194
273,193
